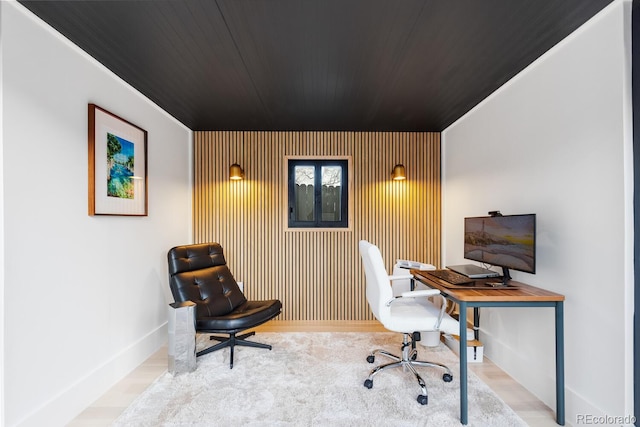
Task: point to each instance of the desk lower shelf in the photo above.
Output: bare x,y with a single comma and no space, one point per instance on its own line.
475,349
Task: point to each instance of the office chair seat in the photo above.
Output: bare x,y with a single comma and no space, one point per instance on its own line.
417,314
247,315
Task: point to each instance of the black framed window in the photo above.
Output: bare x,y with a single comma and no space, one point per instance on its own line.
318,193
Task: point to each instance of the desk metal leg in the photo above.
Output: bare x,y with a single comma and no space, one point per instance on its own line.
476,323
462,318
560,363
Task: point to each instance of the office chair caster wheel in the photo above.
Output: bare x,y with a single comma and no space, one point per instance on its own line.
422,399
371,359
368,383
447,378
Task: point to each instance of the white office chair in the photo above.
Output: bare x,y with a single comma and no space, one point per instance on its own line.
408,313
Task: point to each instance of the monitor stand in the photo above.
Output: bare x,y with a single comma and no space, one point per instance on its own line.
506,277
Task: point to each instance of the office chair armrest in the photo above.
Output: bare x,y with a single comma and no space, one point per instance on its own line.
424,293
416,294
421,293
429,293
400,277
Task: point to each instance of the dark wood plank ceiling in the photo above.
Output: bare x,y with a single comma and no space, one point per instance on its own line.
362,65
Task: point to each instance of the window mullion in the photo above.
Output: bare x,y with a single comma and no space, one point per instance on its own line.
318,193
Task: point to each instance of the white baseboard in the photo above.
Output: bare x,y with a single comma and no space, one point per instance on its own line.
69,403
536,382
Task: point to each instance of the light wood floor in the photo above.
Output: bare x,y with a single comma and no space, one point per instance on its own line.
106,409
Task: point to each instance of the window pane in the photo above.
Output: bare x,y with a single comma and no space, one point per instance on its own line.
331,193
304,194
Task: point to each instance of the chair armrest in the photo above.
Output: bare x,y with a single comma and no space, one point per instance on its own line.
421,293
400,277
416,294
425,293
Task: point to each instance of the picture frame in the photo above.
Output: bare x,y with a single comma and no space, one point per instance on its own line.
117,165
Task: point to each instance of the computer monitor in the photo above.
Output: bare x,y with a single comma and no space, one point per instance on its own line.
507,241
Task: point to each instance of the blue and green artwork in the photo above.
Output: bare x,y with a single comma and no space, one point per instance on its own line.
120,167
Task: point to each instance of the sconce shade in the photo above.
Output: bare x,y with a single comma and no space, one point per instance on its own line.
236,172
398,173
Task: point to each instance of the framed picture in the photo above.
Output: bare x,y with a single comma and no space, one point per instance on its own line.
117,165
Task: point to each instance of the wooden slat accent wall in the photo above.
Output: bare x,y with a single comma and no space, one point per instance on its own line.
316,274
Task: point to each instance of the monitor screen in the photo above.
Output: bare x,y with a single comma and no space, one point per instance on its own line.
505,241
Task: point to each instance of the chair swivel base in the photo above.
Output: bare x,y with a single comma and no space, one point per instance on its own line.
407,361
231,342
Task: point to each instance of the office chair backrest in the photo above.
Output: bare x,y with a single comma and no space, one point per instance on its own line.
199,273
379,291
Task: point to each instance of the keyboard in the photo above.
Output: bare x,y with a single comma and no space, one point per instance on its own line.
450,276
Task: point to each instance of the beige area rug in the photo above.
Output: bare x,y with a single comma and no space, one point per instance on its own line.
314,379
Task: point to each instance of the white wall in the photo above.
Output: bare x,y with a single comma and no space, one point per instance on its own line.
85,298
556,141
2,324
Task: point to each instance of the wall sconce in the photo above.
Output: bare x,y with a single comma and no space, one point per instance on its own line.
398,173
235,172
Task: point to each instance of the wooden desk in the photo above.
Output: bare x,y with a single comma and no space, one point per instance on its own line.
522,296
